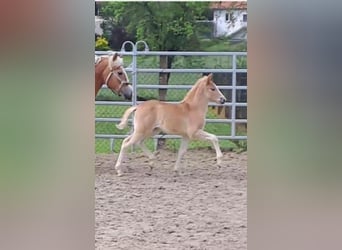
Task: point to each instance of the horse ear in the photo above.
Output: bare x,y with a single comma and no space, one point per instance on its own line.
115,56
210,77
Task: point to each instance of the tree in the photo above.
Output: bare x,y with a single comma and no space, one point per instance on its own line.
114,30
165,26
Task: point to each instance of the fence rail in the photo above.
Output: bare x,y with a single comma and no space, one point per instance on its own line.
115,108
173,53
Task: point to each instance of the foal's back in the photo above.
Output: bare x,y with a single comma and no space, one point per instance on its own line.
171,118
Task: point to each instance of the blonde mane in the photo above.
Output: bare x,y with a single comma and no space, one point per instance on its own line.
114,61
193,91
97,59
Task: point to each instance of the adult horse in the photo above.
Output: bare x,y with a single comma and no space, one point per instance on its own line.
109,70
186,119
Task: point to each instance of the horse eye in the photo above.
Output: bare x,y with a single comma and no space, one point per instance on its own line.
120,73
212,89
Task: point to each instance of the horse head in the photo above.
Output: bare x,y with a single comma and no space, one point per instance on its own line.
212,92
113,75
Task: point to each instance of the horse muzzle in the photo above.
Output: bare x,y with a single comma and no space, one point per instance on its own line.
222,100
127,91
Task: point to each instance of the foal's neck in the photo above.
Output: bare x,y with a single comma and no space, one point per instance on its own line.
197,101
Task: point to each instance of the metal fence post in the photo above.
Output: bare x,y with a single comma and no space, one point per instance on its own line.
134,71
134,65
233,97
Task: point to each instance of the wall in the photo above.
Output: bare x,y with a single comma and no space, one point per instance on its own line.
226,28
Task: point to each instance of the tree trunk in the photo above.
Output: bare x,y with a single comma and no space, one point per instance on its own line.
165,62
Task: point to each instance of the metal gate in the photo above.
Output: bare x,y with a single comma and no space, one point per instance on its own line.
143,73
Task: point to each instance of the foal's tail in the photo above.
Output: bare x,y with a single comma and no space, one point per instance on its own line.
124,119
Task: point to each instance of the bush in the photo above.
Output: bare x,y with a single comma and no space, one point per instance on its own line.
101,44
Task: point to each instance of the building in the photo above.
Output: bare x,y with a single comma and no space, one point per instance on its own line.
230,19
98,19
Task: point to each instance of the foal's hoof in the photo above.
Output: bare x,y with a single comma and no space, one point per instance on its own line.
219,163
151,164
119,173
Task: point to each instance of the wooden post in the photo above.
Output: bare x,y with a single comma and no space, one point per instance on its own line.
164,63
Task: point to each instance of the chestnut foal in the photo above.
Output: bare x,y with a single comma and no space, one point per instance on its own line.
186,119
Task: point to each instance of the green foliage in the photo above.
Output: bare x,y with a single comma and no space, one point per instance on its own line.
241,62
163,25
222,44
101,44
240,145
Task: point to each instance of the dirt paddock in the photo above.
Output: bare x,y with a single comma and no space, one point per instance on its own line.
205,207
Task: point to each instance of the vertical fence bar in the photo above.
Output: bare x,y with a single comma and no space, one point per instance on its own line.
134,69
134,73
134,76
233,97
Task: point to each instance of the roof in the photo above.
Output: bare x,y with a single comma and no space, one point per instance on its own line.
223,5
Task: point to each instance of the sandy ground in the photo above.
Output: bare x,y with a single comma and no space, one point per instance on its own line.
205,207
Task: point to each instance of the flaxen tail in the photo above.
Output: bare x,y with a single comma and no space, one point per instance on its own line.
125,116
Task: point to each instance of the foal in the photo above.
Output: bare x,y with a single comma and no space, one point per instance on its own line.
186,119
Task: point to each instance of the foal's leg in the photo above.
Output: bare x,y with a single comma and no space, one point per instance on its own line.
202,135
121,155
147,152
130,140
182,149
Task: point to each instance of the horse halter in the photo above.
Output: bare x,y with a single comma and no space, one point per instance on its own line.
122,83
